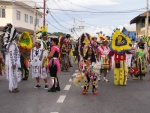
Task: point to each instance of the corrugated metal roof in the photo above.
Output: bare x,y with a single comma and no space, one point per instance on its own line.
137,18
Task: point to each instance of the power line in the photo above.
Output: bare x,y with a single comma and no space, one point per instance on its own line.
60,18
96,9
53,25
57,21
113,12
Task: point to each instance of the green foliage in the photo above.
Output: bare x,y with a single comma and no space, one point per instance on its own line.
58,34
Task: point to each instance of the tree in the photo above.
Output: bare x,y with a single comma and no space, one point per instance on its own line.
58,34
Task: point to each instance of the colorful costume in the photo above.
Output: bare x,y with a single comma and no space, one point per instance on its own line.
65,49
140,62
12,61
89,74
25,46
120,45
103,51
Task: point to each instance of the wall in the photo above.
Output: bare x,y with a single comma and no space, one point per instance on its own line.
8,17
21,22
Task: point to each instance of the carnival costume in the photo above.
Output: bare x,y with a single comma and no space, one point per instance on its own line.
87,66
89,74
64,45
54,68
140,61
104,56
38,56
2,64
12,61
25,46
120,45
84,41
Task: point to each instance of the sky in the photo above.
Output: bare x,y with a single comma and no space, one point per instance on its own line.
94,15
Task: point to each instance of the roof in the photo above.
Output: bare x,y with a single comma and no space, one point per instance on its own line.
19,29
137,18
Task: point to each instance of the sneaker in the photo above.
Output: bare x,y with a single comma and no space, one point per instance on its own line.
46,87
83,92
95,93
99,78
37,86
106,80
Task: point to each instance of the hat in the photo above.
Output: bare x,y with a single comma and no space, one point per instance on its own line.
38,41
10,34
102,37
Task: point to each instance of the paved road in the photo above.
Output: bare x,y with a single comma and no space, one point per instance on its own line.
133,98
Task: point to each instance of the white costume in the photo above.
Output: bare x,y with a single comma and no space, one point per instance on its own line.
13,58
37,56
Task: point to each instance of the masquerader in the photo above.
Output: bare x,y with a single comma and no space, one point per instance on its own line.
120,45
38,56
89,75
12,60
25,46
65,49
140,62
104,50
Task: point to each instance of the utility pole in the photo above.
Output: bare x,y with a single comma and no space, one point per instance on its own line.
81,26
35,21
147,19
44,13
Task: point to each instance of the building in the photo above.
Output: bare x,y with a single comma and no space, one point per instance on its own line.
130,32
140,24
20,15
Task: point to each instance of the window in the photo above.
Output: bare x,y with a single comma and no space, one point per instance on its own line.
2,13
37,22
31,20
18,15
26,18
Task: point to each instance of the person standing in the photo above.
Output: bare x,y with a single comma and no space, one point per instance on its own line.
54,65
12,61
104,59
38,56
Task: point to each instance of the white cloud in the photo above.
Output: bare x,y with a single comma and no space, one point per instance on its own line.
106,30
68,4
94,2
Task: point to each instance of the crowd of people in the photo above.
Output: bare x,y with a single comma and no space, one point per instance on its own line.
95,58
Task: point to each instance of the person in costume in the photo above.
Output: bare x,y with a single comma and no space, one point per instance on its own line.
25,46
103,51
83,41
65,55
120,46
89,75
54,65
140,59
1,64
70,47
38,56
12,61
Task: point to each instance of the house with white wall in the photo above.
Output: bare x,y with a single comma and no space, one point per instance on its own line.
21,15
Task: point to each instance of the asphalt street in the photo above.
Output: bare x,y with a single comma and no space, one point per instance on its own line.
133,98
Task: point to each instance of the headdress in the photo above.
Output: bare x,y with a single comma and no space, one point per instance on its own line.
148,42
41,32
102,36
10,33
120,42
25,41
84,40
